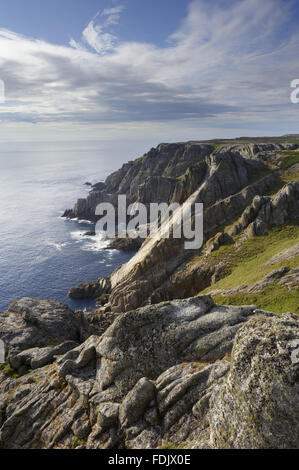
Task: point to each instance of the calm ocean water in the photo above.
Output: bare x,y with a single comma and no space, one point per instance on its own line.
41,254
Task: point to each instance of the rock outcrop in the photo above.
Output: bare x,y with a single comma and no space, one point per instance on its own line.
145,278
227,179
258,404
92,290
172,172
217,241
35,331
183,372
264,211
160,337
126,244
283,255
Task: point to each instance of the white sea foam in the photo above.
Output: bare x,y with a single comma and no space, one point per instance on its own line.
78,235
58,246
83,221
76,219
96,243
90,243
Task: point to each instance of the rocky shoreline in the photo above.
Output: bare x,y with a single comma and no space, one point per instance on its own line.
160,363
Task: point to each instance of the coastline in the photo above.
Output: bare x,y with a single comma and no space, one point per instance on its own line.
164,360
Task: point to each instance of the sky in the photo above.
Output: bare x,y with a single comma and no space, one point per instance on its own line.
159,70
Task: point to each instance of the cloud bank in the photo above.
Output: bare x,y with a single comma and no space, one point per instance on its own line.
228,61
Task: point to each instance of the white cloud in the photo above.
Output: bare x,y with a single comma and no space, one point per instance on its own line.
113,11
98,35
113,15
222,67
96,38
75,44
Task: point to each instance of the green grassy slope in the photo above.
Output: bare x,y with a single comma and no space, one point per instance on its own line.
246,265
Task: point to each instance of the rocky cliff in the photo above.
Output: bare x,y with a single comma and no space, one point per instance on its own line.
172,172
186,348
228,180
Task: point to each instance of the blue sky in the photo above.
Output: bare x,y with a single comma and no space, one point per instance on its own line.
138,69
57,20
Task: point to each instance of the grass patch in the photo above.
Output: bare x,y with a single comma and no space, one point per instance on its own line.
289,178
275,298
290,158
170,445
78,443
9,372
291,174
246,264
289,152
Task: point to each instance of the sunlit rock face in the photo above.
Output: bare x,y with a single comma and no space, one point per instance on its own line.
186,372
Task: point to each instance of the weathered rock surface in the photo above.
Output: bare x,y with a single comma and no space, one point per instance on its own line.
264,211
172,172
163,336
217,241
258,405
99,320
35,331
284,255
186,372
268,280
91,290
126,244
146,277
152,178
291,279
226,179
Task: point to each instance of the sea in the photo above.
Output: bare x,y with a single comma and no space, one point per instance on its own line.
43,255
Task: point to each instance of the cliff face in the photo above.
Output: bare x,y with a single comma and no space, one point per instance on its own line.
162,363
172,172
157,260
226,179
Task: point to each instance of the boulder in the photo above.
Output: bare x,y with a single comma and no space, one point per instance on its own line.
92,290
136,402
35,331
258,405
151,339
217,241
125,244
